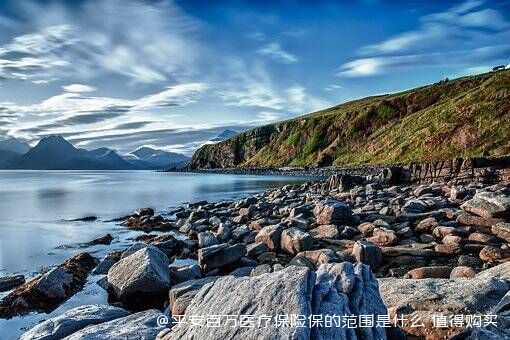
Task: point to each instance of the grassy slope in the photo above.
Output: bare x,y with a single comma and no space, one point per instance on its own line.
468,116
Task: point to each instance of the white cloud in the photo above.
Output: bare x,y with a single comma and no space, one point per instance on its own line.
78,88
275,51
333,87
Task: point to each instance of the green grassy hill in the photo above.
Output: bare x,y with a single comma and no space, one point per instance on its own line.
465,117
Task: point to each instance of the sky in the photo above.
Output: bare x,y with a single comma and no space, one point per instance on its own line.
174,74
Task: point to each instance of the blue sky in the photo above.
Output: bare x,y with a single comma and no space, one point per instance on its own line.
173,74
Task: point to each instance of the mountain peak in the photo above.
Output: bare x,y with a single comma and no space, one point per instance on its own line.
14,145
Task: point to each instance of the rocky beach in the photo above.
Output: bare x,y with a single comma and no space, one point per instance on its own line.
406,254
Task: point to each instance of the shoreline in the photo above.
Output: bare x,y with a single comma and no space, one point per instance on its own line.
400,232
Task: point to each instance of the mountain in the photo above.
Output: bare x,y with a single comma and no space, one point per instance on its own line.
150,158
7,155
14,145
111,158
466,117
226,134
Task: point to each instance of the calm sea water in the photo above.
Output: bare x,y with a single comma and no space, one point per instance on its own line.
35,207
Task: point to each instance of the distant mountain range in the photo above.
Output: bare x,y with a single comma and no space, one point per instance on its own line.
227,134
56,153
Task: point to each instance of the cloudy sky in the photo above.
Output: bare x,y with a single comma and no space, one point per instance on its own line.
173,74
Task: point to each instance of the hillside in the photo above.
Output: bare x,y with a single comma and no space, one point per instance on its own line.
468,116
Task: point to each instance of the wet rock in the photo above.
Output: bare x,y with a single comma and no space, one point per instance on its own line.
502,230
367,253
47,291
85,219
140,277
462,272
106,239
141,326
488,205
72,321
270,236
10,282
109,260
294,240
220,255
332,212
383,237
144,212
430,272
325,231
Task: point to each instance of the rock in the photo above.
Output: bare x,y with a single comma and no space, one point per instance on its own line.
468,219
441,232
182,302
144,212
270,236
223,233
383,237
319,257
469,261
366,228
182,288
502,328
332,212
104,266
325,231
10,282
491,254
106,239
140,326
182,274
502,230
448,249
488,205
428,297
427,225
346,289
255,249
220,255
242,271
133,249
430,272
294,240
141,276
206,239
451,239
462,272
482,238
261,269
85,219
72,321
45,292
367,253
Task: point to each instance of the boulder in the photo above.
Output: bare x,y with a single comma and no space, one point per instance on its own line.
220,255
294,240
270,235
255,249
367,253
47,291
72,321
206,239
319,257
428,297
106,239
10,282
494,332
188,286
383,237
186,273
139,276
502,230
109,260
468,219
492,254
430,272
488,205
140,326
332,212
482,238
462,272
325,231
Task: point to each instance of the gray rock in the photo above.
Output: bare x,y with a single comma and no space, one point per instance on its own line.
140,326
72,321
206,239
294,240
183,274
188,286
144,272
488,205
10,282
332,212
133,249
104,266
220,255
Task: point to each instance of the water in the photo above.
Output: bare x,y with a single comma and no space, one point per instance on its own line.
36,206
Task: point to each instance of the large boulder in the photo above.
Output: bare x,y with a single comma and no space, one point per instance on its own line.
219,255
488,205
47,291
428,297
336,289
142,274
270,235
294,241
367,253
72,321
332,212
141,326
